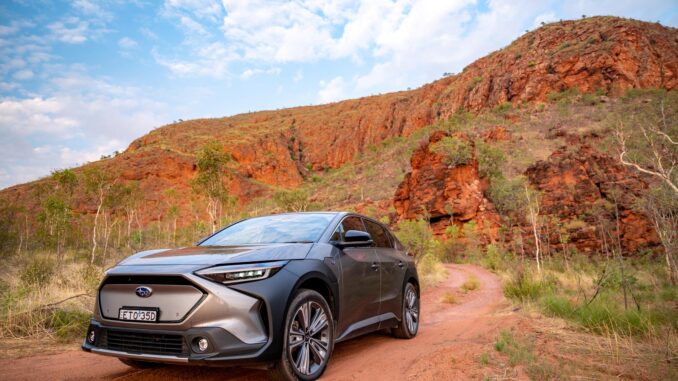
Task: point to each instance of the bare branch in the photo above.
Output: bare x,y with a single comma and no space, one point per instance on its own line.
662,174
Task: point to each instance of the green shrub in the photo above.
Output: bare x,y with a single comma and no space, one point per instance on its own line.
38,271
91,276
590,99
494,257
523,287
415,235
564,95
292,200
69,324
484,358
490,160
455,151
507,195
475,82
502,108
605,315
452,231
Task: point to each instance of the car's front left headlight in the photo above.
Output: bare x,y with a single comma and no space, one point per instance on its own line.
247,272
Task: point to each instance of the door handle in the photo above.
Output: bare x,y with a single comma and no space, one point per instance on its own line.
401,264
374,266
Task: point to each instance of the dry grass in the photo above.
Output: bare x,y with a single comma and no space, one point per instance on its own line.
607,356
55,308
449,298
471,284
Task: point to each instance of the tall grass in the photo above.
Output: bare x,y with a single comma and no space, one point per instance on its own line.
38,299
590,294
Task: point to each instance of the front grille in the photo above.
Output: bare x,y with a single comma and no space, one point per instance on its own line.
150,343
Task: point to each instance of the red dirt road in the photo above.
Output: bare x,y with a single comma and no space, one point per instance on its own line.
450,339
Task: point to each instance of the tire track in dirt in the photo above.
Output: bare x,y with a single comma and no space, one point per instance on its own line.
450,338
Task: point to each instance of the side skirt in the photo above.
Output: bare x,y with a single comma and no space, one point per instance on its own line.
366,326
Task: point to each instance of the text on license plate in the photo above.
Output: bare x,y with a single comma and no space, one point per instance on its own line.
138,315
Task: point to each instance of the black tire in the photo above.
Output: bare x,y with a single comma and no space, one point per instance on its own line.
288,367
407,329
140,364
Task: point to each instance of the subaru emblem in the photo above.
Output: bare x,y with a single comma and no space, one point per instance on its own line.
143,291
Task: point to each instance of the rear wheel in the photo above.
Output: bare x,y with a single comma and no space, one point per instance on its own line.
308,338
140,364
409,325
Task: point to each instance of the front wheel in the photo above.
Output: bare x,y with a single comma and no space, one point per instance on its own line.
409,325
308,338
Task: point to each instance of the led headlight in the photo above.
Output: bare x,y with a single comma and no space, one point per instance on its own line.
241,273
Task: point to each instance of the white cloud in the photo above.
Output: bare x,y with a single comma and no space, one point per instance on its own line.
149,34
72,30
8,86
82,119
23,75
298,76
204,9
127,43
208,60
248,73
332,91
91,8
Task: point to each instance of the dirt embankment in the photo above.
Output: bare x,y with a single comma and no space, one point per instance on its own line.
450,339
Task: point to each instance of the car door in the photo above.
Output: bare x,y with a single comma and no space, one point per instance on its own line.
360,294
391,267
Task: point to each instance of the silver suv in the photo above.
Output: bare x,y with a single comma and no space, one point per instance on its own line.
279,290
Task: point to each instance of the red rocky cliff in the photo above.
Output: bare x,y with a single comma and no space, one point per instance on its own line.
444,194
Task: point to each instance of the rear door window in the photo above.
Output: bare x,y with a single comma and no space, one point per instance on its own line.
379,235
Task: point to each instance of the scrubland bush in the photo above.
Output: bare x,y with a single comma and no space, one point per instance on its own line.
589,293
417,237
455,151
37,271
470,284
490,160
38,301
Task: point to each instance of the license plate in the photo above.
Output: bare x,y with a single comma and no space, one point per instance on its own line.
138,314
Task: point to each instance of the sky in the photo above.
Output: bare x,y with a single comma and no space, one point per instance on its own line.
83,78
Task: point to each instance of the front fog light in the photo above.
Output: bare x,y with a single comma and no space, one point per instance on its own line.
203,344
91,337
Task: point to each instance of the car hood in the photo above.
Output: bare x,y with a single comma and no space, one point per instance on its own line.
215,255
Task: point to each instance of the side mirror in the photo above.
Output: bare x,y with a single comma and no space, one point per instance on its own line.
355,238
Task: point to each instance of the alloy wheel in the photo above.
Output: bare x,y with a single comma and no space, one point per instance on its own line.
411,310
309,338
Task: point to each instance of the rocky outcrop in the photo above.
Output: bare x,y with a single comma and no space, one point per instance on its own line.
581,194
445,195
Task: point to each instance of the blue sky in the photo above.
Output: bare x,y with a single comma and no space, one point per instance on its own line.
83,78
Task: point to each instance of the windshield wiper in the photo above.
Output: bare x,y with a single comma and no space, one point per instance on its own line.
296,242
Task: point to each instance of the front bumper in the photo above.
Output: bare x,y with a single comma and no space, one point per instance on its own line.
178,347
241,322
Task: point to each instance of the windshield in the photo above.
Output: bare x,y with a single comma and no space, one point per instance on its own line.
281,228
